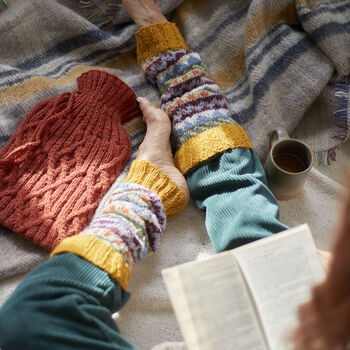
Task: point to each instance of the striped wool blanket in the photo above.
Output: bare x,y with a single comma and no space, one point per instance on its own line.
279,63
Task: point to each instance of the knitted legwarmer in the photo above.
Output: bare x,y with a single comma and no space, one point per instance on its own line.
202,123
129,223
63,158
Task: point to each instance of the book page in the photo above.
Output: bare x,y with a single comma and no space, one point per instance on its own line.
280,272
212,305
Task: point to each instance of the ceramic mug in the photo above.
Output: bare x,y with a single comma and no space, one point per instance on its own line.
287,165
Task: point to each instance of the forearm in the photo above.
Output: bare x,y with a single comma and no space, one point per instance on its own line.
232,190
201,121
225,176
76,291
129,224
64,304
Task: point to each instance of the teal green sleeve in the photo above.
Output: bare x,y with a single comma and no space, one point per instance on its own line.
231,189
64,304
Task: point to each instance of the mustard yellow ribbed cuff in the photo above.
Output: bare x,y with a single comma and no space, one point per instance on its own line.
209,143
146,174
99,253
157,38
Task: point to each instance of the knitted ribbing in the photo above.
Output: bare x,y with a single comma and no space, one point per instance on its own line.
63,158
202,125
157,38
129,225
146,174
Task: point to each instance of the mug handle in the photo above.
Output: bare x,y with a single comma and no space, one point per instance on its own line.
278,135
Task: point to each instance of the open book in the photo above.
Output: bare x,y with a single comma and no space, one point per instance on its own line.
246,298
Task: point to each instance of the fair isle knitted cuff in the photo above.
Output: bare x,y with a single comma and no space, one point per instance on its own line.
201,120
130,224
146,174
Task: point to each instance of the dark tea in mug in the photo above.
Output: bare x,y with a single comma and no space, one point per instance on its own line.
289,162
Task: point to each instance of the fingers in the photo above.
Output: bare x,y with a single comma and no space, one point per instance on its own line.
325,258
344,217
150,112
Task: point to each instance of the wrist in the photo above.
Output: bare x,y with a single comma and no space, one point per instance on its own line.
150,18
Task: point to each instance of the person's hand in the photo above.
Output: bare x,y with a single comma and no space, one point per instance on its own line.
325,258
155,147
144,12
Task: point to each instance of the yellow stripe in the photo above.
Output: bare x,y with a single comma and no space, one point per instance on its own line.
98,253
230,75
209,143
309,3
157,38
148,175
122,62
266,20
36,85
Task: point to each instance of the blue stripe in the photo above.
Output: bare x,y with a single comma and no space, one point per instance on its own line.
243,94
257,60
267,48
322,8
3,139
276,70
217,30
75,62
330,29
65,47
250,50
88,38
291,25
318,34
245,115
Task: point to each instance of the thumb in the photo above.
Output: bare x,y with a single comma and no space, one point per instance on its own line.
150,112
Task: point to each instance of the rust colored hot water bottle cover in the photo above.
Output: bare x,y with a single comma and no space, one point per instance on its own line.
63,158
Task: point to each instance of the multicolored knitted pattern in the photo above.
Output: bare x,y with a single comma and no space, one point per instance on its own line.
101,12
201,120
130,223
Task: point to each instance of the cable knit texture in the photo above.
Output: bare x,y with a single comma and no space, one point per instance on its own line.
63,158
202,123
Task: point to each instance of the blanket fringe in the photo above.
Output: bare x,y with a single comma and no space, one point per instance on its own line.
325,157
100,14
341,120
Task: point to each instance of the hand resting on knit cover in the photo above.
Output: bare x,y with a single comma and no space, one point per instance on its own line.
155,147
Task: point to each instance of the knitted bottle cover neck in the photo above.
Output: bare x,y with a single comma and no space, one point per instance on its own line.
63,158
